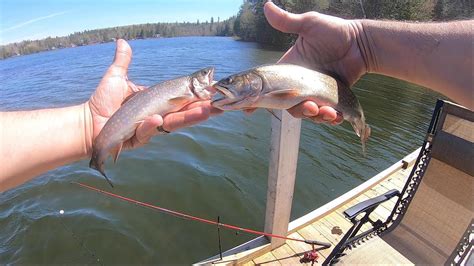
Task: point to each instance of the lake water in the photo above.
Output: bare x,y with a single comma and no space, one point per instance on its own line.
217,168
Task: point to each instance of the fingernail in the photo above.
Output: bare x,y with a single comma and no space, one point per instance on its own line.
327,117
307,112
311,110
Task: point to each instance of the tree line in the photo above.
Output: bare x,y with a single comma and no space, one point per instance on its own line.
141,31
251,25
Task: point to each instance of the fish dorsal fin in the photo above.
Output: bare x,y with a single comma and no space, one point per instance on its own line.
116,152
180,100
129,97
286,93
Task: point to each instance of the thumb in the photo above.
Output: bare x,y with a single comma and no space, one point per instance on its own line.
282,20
123,57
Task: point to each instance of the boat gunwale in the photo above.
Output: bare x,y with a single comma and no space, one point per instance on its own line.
261,245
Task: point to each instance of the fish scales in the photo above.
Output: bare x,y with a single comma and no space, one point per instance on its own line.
283,86
163,98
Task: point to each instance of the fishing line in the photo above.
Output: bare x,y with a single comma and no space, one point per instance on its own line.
219,236
202,220
79,242
274,115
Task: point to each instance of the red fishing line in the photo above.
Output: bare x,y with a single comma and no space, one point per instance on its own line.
187,216
309,256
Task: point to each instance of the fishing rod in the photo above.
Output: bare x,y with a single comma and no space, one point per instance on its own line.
324,245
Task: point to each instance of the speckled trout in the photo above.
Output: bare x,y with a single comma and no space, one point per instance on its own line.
163,98
283,86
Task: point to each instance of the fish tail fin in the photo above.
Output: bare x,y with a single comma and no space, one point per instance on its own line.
98,164
108,180
363,131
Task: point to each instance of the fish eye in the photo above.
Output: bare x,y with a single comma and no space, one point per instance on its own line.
229,80
204,72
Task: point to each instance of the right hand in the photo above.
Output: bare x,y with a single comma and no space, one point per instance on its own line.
115,87
325,43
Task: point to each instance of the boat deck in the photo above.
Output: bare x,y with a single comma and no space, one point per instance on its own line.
326,223
331,227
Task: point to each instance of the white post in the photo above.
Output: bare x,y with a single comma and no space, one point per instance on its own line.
285,139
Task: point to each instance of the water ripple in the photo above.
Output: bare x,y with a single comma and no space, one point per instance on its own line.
217,168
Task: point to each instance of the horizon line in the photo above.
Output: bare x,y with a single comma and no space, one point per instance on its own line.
30,40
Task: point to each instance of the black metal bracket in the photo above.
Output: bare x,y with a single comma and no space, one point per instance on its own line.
370,204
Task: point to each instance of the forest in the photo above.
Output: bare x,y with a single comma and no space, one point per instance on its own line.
250,23
142,31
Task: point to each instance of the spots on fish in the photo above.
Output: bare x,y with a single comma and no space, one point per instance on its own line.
122,124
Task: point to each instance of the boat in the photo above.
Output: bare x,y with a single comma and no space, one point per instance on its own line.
420,210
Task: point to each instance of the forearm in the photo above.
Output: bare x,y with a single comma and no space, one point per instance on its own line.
434,55
33,142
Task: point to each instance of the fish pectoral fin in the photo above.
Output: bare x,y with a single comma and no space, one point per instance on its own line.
116,152
180,100
287,93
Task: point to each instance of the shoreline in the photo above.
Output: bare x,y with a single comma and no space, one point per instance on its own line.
111,41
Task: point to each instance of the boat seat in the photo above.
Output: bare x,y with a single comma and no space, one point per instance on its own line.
432,221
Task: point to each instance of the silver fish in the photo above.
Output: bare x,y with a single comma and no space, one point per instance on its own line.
166,97
283,86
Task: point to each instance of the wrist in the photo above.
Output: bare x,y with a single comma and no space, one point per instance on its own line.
88,128
366,44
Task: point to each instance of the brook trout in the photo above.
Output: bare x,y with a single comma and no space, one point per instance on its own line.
283,86
166,97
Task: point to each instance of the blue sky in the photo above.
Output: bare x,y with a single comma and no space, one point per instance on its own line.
37,19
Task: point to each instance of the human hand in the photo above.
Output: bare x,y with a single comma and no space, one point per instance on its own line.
325,43
115,87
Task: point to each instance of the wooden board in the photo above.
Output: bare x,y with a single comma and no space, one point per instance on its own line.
320,224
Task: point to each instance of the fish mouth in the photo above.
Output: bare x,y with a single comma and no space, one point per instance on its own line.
222,93
225,100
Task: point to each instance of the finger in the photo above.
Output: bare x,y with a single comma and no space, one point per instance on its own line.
186,118
249,111
304,109
134,88
203,104
327,114
122,59
215,111
282,20
338,120
147,129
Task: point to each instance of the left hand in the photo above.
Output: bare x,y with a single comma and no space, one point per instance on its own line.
115,87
